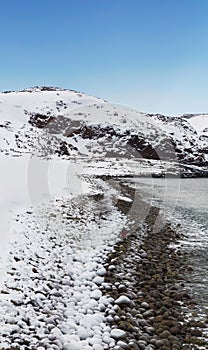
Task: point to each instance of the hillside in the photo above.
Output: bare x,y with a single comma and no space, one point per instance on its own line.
46,121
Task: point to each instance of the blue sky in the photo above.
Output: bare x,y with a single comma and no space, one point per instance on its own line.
149,54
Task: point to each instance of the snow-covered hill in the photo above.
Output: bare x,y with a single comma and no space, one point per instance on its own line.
189,134
44,121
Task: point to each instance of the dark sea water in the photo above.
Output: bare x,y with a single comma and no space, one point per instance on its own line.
185,202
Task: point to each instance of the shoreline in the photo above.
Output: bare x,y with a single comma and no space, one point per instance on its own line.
128,293
152,276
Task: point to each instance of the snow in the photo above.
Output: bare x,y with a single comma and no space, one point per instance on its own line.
101,272
98,280
25,212
125,199
96,294
70,266
51,232
55,236
123,299
20,137
29,181
199,123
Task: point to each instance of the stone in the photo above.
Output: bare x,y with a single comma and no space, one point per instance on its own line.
118,334
196,332
145,305
82,333
158,343
165,334
96,294
123,345
101,272
123,299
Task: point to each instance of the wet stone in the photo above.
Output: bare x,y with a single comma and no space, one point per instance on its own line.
152,276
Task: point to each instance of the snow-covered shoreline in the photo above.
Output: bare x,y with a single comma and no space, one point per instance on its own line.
60,219
64,288
50,296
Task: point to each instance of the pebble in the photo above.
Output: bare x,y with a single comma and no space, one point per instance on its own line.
97,347
196,332
98,280
107,339
101,272
118,334
73,345
96,294
123,345
145,305
123,299
82,332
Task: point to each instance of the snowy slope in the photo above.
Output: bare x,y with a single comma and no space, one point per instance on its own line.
17,135
44,121
199,122
189,134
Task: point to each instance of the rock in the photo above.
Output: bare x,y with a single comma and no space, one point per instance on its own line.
51,337
107,339
123,345
11,320
175,330
165,334
64,329
96,294
97,347
122,288
101,272
149,330
118,334
145,305
98,280
142,322
196,332
148,313
123,299
176,347
142,344
73,345
201,324
159,343
82,333
133,345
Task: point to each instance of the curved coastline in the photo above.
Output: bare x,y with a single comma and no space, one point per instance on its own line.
160,311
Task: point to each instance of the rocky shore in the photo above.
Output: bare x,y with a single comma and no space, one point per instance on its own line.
76,286
147,280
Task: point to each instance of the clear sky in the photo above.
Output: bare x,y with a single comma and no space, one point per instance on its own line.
149,54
